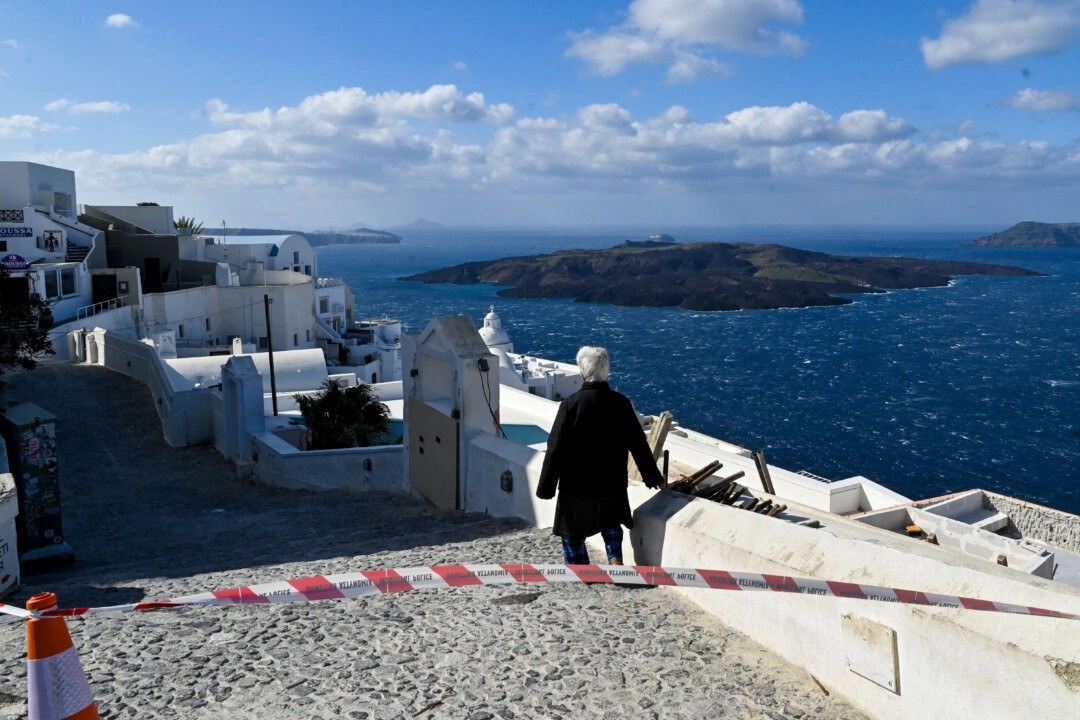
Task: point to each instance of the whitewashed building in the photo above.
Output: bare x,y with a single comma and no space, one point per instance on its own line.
537,376
272,252
44,247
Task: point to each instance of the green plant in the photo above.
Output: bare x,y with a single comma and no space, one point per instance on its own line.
344,417
189,222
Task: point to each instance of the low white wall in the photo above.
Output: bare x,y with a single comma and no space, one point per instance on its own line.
842,497
186,415
1051,526
950,663
279,463
118,320
294,370
489,458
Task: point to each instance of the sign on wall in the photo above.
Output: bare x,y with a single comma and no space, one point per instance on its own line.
16,232
14,262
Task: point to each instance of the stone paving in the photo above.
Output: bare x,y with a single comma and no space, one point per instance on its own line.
148,521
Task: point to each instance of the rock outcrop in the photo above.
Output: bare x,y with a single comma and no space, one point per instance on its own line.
1034,234
707,276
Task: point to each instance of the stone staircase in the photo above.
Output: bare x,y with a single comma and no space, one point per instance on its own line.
76,253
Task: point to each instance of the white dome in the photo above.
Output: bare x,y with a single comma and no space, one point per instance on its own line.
492,333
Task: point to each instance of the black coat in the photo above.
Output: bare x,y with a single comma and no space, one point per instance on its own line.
586,461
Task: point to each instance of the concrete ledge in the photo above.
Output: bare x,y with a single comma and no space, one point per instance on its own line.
380,468
949,663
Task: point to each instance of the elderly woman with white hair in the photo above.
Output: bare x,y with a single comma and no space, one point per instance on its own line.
594,430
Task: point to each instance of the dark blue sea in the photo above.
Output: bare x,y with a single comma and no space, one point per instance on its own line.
926,391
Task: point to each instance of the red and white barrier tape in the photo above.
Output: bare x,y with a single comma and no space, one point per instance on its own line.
16,611
437,577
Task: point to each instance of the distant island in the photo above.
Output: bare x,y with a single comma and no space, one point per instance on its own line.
1033,234
358,236
707,276
420,224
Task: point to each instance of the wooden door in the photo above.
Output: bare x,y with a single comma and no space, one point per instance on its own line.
433,454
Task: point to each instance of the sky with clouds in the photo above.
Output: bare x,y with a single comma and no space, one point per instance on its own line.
654,112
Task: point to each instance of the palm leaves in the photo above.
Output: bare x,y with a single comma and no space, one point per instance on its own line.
189,222
344,417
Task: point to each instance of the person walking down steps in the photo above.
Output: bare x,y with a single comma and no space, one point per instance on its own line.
594,430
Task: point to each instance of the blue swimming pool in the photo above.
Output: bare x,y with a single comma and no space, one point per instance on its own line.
524,434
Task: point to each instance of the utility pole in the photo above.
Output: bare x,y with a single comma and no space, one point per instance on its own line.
270,350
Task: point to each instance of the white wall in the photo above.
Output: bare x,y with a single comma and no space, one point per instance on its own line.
488,458
158,219
25,183
951,663
234,312
297,254
186,415
294,370
239,250
279,463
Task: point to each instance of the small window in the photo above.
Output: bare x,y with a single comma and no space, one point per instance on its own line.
3,245
207,324
307,336
296,257
52,285
296,339
180,332
263,343
68,285
324,305
307,269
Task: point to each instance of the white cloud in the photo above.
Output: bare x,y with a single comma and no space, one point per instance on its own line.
682,33
23,126
1043,100
741,25
341,149
998,30
11,43
610,53
76,108
351,107
687,67
460,66
120,21
871,126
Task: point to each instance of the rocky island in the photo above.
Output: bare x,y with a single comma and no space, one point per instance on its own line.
707,276
1034,234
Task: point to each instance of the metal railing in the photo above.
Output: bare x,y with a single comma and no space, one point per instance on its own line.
11,216
812,476
91,310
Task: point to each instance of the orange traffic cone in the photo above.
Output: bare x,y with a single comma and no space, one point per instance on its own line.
57,688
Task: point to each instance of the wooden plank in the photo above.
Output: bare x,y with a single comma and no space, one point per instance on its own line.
763,472
658,432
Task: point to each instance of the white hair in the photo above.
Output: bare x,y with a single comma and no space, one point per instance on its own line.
593,363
